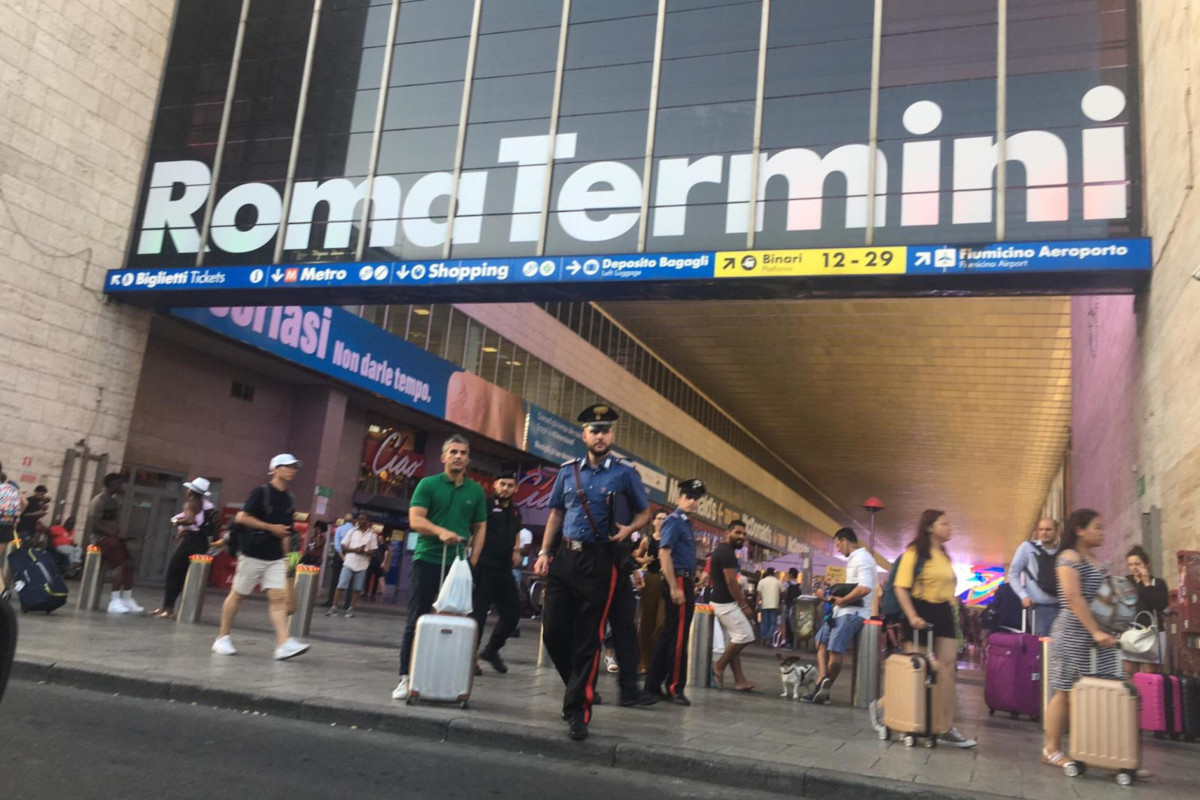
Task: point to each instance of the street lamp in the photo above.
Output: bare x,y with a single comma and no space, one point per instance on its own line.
872,505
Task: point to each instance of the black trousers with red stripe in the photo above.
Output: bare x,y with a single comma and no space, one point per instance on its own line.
668,671
576,604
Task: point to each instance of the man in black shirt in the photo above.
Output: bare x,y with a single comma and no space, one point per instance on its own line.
730,606
265,523
494,584
38,506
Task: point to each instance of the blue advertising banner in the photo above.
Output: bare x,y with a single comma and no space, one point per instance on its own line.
338,344
550,437
1031,257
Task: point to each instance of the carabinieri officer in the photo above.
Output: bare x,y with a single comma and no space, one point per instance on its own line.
583,575
677,554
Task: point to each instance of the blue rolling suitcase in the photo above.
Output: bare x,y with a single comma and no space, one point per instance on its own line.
35,579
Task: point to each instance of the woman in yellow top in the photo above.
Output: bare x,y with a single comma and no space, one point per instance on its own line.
926,596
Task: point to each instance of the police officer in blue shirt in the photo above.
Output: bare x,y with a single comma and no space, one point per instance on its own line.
583,575
677,554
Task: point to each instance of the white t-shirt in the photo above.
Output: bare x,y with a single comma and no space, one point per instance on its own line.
860,569
357,562
768,592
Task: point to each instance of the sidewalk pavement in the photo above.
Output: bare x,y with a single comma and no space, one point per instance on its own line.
753,741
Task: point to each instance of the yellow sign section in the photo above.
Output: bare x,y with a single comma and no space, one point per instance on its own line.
803,263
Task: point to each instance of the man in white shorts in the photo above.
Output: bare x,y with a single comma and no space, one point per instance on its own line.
264,526
730,606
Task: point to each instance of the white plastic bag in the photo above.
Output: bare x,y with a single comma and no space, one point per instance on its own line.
457,589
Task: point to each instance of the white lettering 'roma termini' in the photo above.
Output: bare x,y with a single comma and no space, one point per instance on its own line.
601,201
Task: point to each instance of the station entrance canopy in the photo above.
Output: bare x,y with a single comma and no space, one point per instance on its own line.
1084,267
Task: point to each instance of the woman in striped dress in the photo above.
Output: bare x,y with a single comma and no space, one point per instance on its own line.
1076,634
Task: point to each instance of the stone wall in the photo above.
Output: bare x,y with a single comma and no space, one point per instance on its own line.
1169,313
78,85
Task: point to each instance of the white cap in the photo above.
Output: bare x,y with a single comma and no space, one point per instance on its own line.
284,460
199,486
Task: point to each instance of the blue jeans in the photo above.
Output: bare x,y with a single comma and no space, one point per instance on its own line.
770,618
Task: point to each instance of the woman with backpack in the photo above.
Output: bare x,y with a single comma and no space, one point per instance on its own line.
193,527
923,584
1033,578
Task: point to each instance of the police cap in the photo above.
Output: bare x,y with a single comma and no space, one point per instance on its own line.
599,416
693,488
506,474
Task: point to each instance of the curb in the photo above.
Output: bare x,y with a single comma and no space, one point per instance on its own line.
430,724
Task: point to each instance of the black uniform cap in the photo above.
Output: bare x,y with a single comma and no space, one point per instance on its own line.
693,488
506,474
599,415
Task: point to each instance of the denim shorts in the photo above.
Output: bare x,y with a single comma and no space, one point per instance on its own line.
838,633
354,581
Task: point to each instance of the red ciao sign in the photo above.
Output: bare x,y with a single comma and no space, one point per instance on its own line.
533,489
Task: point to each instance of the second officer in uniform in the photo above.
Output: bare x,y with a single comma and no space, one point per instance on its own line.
583,575
677,555
494,581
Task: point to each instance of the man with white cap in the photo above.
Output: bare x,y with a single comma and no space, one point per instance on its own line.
194,527
265,524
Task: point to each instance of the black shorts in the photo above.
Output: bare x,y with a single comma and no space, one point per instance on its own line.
938,615
7,531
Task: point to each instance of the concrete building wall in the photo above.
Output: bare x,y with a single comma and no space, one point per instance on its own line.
184,419
78,84
1104,368
1169,313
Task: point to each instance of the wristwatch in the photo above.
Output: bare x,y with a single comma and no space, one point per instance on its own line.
543,553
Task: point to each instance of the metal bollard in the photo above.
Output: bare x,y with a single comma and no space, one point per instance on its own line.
305,589
195,585
1046,691
866,664
91,582
700,652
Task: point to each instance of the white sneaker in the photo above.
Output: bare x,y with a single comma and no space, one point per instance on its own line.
118,606
329,612
611,664
132,605
954,738
290,649
350,612
877,719
401,690
223,646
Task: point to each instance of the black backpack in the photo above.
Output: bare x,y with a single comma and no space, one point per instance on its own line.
1047,575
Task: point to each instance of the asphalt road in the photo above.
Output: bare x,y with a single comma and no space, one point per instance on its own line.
61,742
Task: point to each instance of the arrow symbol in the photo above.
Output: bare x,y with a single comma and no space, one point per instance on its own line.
574,267
924,259
729,263
277,275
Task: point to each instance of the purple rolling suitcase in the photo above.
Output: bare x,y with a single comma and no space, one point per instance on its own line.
1013,680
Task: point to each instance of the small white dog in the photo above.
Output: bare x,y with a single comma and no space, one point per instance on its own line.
795,675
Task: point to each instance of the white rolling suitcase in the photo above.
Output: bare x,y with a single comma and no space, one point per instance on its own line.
443,660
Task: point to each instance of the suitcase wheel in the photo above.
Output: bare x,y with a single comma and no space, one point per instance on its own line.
909,740
1013,715
464,705
991,711
1072,769
1123,778
408,701
931,743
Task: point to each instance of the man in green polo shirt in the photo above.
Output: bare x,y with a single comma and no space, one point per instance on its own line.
446,510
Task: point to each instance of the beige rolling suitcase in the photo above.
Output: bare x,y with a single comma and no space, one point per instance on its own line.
910,703
1104,727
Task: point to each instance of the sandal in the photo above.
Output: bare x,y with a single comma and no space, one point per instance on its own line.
1057,759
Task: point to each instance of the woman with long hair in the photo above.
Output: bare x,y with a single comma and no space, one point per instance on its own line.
1076,636
1152,599
651,612
192,527
924,586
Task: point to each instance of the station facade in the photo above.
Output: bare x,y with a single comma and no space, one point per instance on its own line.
491,134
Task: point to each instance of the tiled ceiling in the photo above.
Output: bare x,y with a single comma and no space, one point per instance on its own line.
961,404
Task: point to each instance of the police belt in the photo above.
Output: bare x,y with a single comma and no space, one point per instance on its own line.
683,573
582,547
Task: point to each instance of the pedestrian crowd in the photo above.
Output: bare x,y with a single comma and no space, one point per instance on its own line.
594,563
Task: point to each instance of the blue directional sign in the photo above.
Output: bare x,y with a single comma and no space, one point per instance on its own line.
1032,258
